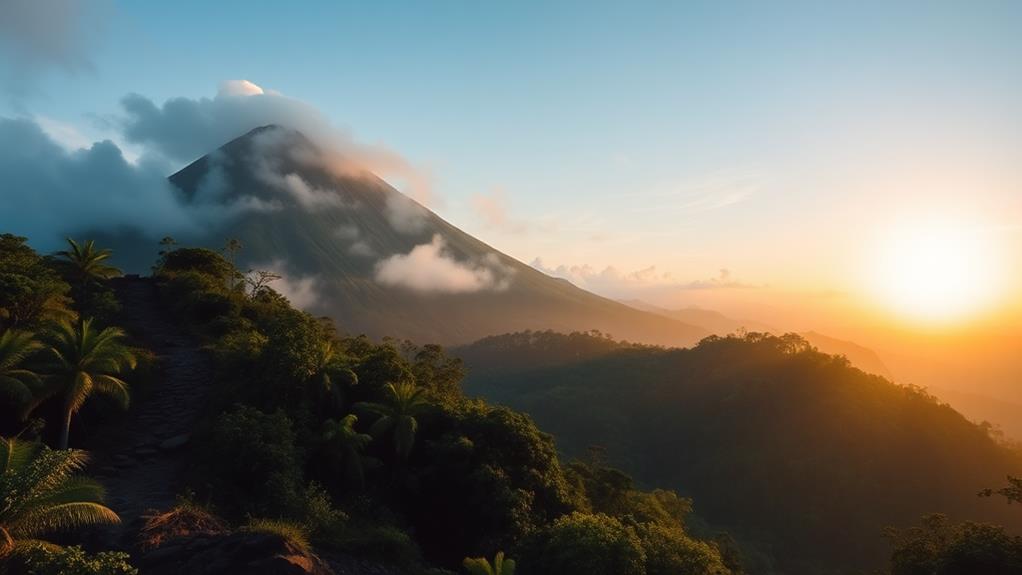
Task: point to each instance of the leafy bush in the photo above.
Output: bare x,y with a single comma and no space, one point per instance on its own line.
582,543
938,546
669,550
51,560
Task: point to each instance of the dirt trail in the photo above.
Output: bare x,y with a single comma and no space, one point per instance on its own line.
141,462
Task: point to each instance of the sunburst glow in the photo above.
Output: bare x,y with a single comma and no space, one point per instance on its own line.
936,273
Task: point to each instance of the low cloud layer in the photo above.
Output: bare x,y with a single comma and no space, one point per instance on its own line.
430,268
48,192
614,283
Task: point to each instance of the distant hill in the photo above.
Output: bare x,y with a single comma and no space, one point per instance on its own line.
708,319
860,356
329,232
796,452
719,324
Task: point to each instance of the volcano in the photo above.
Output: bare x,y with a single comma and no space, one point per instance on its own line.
353,248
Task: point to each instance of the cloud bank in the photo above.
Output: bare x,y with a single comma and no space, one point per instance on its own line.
48,192
614,283
430,268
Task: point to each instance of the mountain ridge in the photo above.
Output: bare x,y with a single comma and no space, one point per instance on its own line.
328,230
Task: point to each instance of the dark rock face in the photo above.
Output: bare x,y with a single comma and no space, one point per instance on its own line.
240,552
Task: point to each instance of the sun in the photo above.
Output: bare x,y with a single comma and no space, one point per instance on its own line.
935,273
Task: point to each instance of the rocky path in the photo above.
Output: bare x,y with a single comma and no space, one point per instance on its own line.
141,462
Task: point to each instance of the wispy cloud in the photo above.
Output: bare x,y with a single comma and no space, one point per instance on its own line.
704,194
615,283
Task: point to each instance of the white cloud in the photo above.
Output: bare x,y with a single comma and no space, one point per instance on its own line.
429,268
238,88
302,291
614,283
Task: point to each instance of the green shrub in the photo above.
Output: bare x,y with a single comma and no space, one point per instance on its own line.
582,543
51,560
669,550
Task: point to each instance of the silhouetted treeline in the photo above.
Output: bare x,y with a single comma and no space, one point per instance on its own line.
804,457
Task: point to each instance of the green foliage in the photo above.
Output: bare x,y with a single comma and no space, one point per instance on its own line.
482,566
18,383
255,456
31,292
292,532
465,478
41,493
590,544
669,550
85,267
771,438
488,480
197,260
48,560
82,360
396,415
940,547
344,447
437,372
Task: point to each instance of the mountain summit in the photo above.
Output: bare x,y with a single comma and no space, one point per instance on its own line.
351,247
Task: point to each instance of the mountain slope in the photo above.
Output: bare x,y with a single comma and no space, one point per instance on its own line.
803,457
328,229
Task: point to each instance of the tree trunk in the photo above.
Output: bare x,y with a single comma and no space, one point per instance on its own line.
66,429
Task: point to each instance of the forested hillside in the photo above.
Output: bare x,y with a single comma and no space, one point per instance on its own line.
803,457
289,448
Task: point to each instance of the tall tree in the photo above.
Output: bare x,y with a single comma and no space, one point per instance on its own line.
40,493
83,361
86,268
397,413
330,378
345,447
17,381
85,264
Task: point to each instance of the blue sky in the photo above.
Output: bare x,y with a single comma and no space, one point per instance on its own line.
769,139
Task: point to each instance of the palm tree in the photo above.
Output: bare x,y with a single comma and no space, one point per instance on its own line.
82,361
481,566
397,414
85,264
17,381
346,445
331,375
40,493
